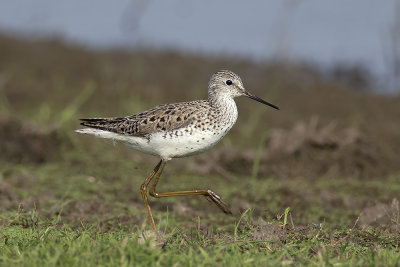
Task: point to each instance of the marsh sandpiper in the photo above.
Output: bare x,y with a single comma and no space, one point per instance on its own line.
177,130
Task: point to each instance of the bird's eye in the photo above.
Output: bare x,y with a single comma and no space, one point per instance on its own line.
229,82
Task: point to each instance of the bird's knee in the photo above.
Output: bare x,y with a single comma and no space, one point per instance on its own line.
143,188
153,193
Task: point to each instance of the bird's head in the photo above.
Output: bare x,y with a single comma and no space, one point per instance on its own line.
229,84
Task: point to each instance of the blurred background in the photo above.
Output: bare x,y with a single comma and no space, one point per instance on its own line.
363,33
332,67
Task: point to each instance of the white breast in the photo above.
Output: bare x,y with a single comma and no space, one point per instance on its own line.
192,140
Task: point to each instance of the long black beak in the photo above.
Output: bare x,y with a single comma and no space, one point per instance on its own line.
256,98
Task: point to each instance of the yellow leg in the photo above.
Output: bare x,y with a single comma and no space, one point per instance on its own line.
210,195
143,190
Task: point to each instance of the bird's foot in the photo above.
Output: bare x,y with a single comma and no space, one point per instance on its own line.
212,197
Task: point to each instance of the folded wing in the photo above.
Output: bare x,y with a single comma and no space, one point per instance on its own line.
164,118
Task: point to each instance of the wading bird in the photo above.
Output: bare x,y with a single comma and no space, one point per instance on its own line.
177,130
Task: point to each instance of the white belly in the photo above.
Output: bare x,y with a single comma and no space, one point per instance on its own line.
184,145
166,146
180,142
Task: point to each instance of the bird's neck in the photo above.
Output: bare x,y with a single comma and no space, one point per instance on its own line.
219,100
225,105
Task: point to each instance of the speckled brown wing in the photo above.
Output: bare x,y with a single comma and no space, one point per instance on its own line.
163,118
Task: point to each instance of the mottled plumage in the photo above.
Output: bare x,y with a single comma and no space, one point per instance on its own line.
164,118
177,130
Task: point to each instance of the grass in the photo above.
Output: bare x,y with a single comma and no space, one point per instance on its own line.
69,200
79,219
50,245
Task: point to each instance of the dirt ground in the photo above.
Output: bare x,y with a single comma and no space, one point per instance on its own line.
332,143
